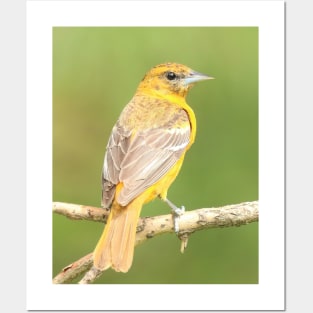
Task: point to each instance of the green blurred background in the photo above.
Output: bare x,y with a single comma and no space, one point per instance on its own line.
95,73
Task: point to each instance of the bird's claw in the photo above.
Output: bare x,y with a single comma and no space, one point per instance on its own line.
177,212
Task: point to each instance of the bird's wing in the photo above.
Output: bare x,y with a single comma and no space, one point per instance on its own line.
116,150
141,159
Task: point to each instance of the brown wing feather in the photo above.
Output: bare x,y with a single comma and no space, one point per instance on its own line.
154,152
141,160
116,150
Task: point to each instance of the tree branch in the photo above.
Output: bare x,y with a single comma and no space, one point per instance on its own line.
148,227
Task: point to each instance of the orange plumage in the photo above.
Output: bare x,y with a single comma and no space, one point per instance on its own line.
143,157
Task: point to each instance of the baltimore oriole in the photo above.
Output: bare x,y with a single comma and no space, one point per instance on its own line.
144,154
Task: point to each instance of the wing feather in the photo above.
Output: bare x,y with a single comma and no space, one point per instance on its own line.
141,159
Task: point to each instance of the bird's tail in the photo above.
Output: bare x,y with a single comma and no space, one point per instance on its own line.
116,246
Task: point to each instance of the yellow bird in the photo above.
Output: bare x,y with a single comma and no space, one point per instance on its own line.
144,154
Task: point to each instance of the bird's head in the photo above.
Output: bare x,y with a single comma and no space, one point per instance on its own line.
170,79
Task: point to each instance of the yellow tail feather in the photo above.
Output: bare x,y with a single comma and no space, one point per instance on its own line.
116,246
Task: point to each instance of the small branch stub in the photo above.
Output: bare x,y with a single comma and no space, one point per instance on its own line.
184,241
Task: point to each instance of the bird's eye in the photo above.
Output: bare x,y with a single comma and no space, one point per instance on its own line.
171,75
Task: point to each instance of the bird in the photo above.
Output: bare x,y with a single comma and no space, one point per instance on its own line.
144,154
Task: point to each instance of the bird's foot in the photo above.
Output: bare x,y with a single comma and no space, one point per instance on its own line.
177,212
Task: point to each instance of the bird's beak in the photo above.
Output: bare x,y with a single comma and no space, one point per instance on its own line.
194,77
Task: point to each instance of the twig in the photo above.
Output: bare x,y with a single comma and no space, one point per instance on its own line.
80,212
73,270
148,227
